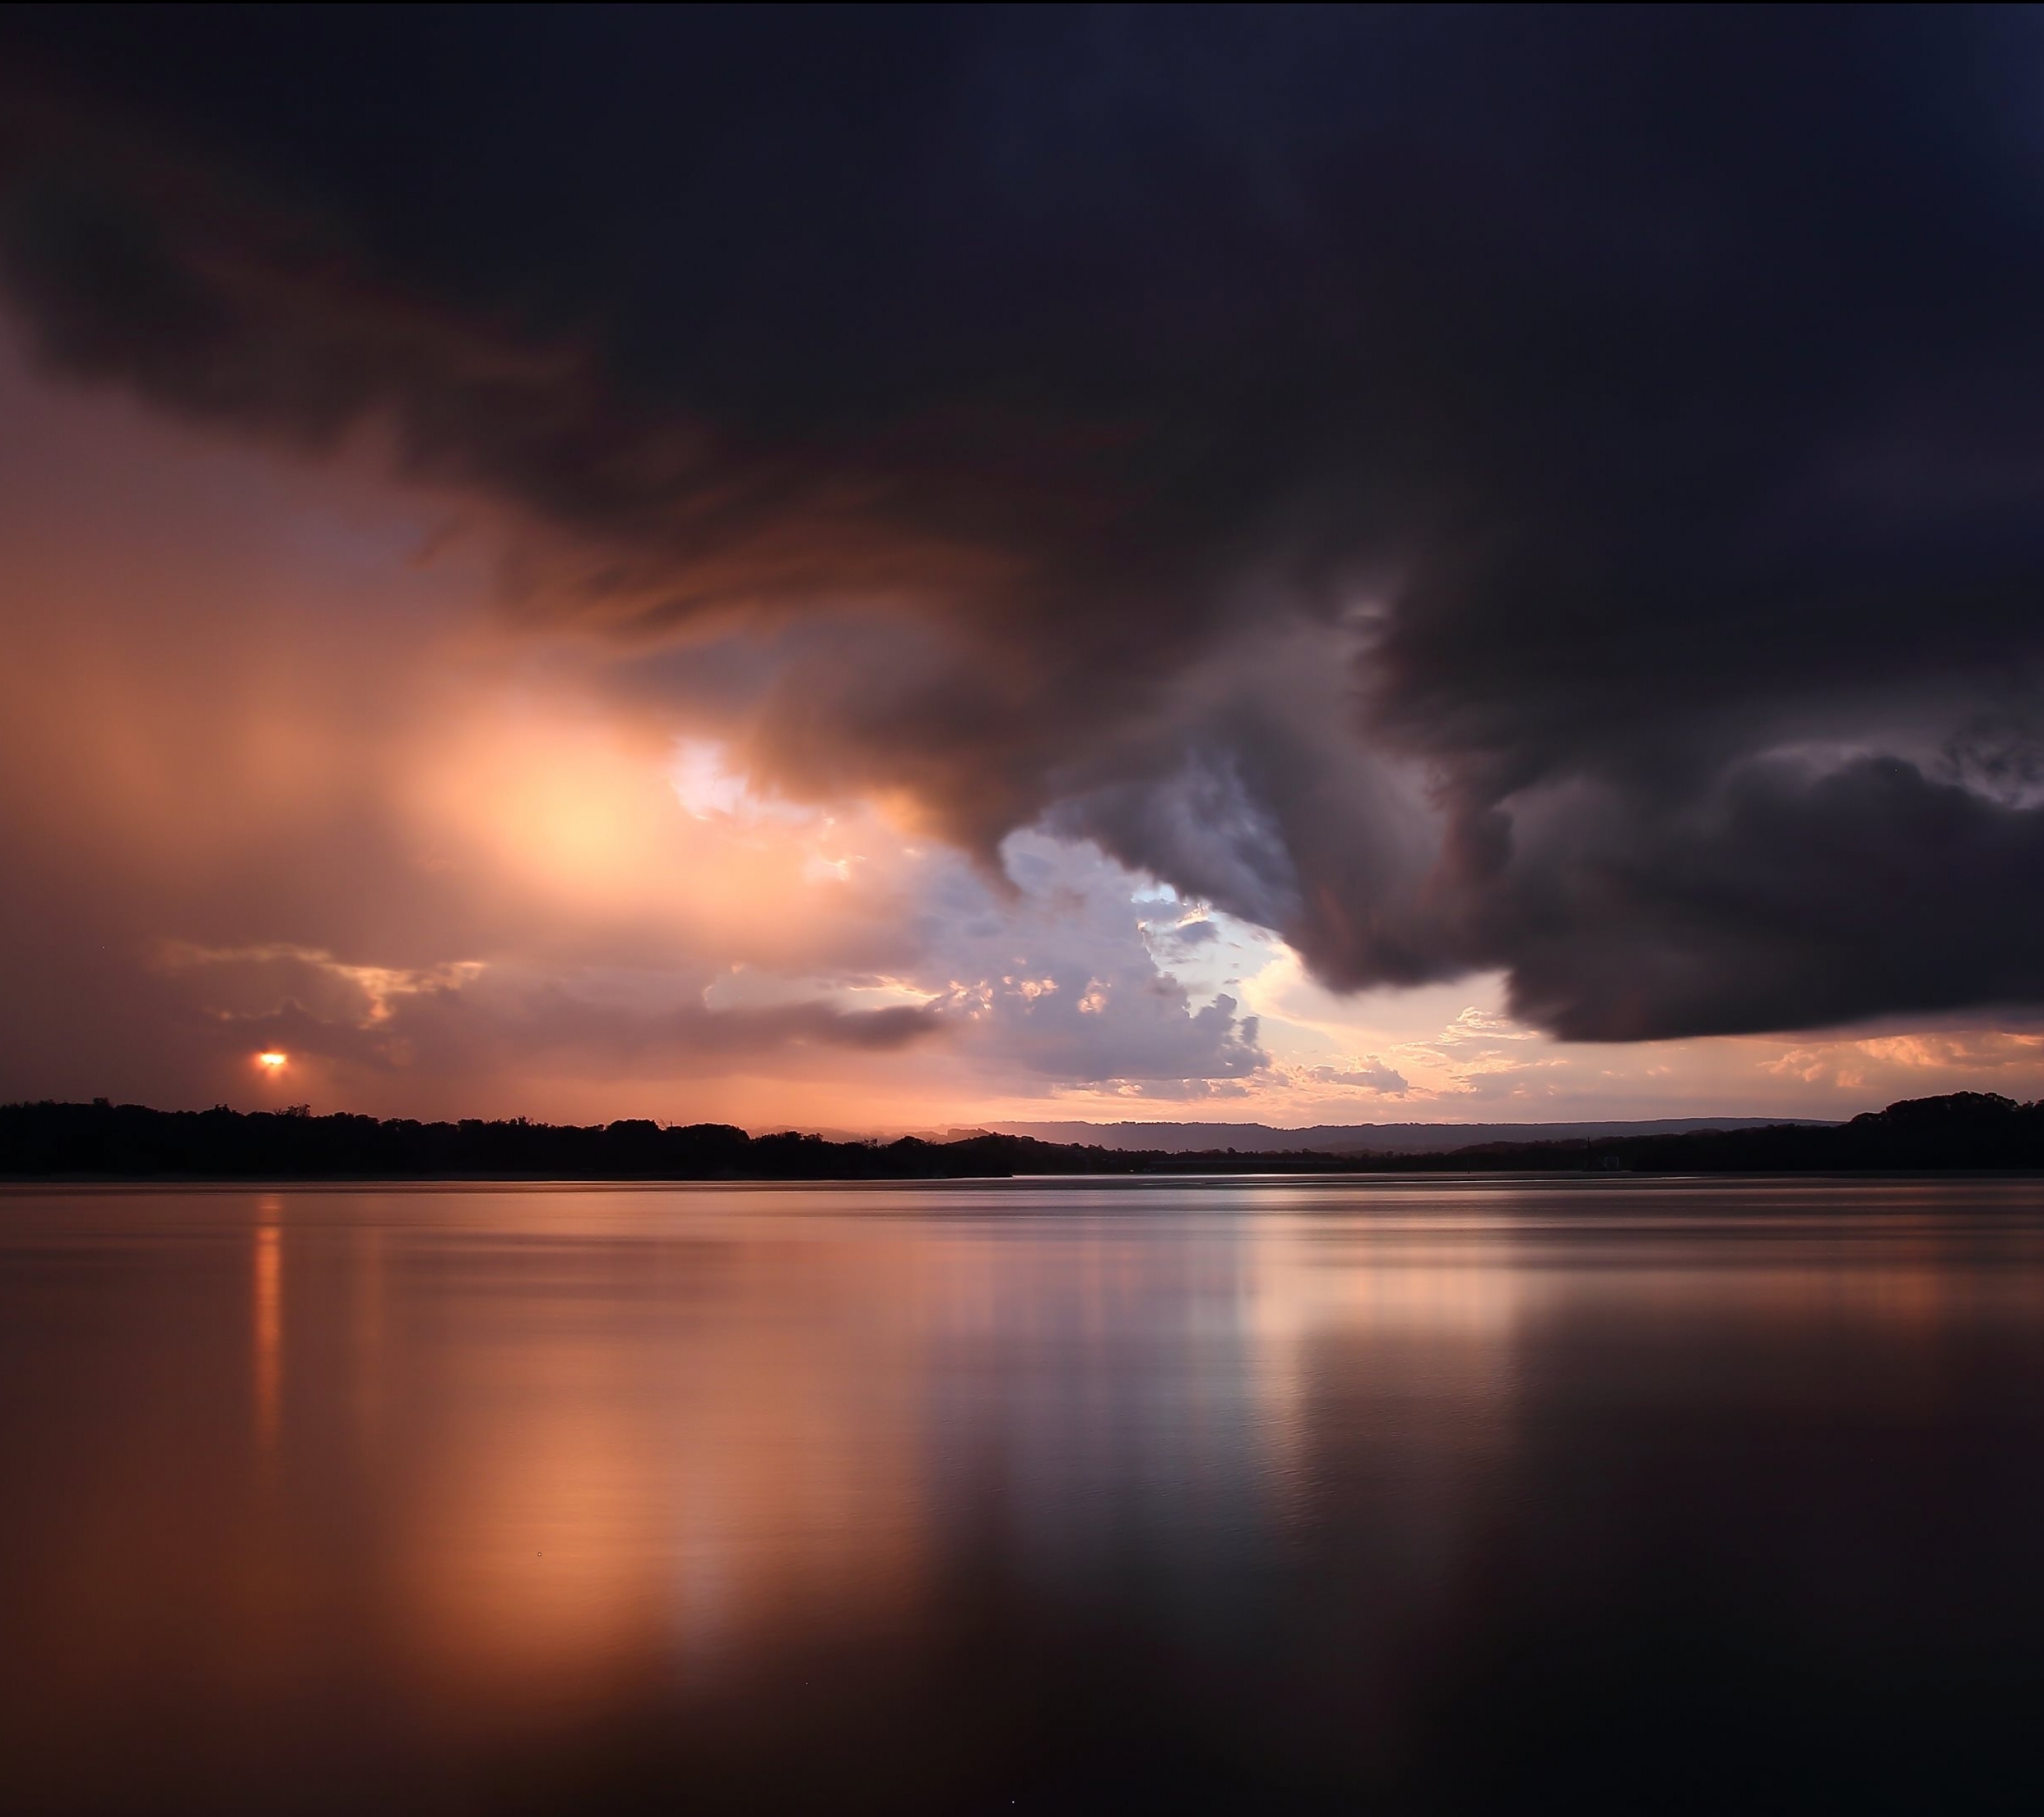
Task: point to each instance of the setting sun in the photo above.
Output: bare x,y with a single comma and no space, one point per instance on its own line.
270,1062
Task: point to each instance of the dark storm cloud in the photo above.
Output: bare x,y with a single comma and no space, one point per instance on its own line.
1837,894
1562,492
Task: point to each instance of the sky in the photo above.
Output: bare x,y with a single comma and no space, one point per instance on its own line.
871,570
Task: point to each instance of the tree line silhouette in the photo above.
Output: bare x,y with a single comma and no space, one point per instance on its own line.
104,1141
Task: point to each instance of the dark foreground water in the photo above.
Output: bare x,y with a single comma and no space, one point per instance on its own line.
1229,1497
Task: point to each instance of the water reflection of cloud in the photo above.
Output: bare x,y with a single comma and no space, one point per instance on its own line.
628,1469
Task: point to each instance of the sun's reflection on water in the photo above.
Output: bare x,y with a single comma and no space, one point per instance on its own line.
268,1329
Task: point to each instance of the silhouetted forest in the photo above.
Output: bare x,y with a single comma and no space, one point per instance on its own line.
104,1141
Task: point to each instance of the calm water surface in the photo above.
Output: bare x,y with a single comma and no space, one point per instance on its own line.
1285,1496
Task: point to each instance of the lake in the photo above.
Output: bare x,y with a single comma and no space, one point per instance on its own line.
1298,1495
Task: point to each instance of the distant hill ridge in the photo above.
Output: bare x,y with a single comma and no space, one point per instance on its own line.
106,1141
1367,1138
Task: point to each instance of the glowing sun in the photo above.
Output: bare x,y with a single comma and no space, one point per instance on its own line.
270,1062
